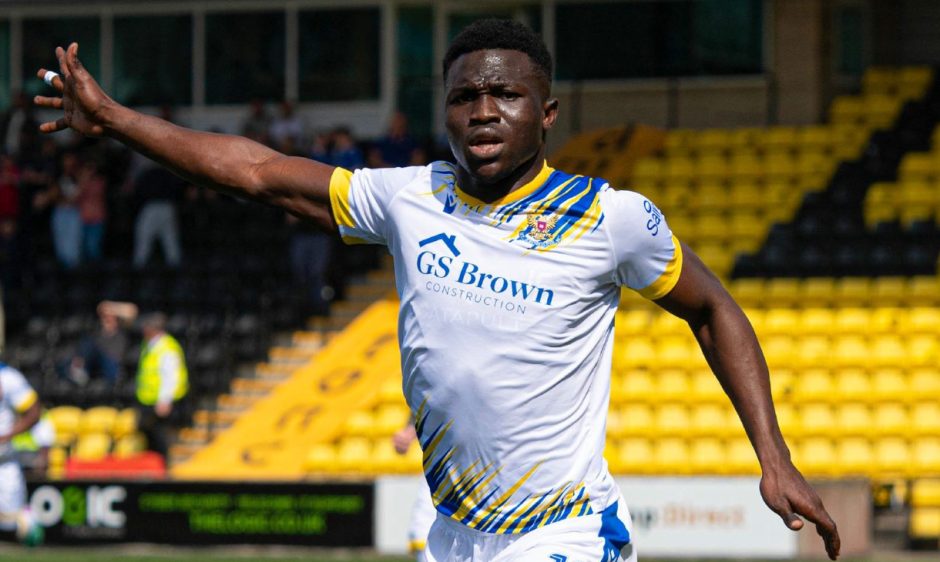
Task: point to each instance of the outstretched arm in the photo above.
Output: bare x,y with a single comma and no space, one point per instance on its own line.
731,349
228,163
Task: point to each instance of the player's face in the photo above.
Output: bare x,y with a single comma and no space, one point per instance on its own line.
497,112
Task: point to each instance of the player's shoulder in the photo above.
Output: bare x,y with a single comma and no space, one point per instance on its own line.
10,375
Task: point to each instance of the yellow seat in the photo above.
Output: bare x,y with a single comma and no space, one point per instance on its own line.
924,523
741,459
99,419
853,457
386,459
818,293
923,320
635,353
672,385
389,418
746,195
879,80
814,385
853,291
360,423
853,419
125,423
714,140
888,351
853,384
782,321
783,292
748,292
816,419
354,454
747,225
881,203
616,423
816,456
632,322
634,456
672,419
891,418
925,417
925,493
881,110
705,388
638,420
637,387
390,392
675,352
679,170
746,166
710,420
65,420
813,351
926,456
885,320
923,291
918,166
922,350
712,167
779,350
850,351
780,138
320,458
924,383
889,291
892,456
130,445
788,419
92,447
847,110
648,171
852,321
671,456
780,166
707,456
817,138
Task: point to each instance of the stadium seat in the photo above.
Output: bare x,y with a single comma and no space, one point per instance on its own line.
925,523
853,419
125,423
890,418
638,419
354,454
634,456
892,457
781,321
706,389
926,455
672,419
814,384
360,424
888,351
925,493
671,456
637,387
853,384
130,445
672,385
320,458
853,291
816,419
65,420
816,456
99,419
709,419
924,383
925,418
707,456
91,447
889,384
817,292
853,457
741,458
889,291
813,351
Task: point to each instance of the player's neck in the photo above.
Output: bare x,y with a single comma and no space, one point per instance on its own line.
489,192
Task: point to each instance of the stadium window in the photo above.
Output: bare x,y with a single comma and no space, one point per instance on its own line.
153,60
616,40
339,54
850,59
462,16
4,64
41,36
245,56
416,69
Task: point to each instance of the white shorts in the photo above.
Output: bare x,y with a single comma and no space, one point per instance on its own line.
599,537
423,515
12,494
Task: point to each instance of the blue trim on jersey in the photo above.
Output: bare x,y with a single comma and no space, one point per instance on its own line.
614,532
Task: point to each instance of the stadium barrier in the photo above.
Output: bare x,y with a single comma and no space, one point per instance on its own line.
674,517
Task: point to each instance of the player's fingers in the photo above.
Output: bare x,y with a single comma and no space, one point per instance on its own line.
786,513
63,63
56,80
53,126
45,101
75,65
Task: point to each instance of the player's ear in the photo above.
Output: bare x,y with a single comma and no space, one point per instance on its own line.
549,113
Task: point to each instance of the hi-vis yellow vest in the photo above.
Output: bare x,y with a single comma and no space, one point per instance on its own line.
148,371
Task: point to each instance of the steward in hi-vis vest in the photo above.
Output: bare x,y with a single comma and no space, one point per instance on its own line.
161,358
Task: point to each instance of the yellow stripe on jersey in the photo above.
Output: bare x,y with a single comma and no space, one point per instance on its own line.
27,402
340,182
670,276
513,196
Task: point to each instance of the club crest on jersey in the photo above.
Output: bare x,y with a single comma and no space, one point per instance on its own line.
540,231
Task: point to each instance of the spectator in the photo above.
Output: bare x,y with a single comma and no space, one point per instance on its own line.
345,152
258,123
397,148
66,220
99,355
157,191
310,253
17,122
92,209
9,188
287,128
162,380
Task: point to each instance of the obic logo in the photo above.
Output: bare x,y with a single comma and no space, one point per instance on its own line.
75,506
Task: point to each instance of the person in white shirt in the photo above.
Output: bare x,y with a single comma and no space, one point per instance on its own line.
509,274
19,412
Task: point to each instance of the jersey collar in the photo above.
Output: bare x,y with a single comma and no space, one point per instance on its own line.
513,196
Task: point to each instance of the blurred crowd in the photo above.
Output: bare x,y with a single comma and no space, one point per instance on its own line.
85,201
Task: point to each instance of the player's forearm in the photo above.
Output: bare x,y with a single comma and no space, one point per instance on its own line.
26,420
732,350
214,160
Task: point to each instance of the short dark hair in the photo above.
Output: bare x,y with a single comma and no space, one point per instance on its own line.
495,33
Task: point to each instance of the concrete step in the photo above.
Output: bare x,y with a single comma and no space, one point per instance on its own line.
291,355
308,339
274,371
256,387
194,436
235,402
180,452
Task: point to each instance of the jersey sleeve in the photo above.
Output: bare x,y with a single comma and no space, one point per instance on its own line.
647,256
17,391
360,201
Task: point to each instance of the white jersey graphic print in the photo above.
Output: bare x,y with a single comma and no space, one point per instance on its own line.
506,329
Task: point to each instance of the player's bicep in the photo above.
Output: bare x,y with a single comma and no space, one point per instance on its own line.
301,186
695,289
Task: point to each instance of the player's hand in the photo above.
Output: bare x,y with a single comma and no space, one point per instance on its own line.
83,102
403,438
787,493
163,409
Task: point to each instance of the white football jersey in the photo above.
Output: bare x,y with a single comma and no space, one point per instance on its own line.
16,396
506,329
